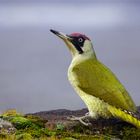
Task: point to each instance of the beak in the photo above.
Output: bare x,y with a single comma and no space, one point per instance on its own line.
61,35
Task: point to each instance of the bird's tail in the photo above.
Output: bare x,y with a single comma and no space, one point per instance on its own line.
126,116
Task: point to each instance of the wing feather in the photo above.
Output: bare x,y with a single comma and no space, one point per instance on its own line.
96,79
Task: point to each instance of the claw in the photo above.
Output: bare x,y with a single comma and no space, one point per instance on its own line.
84,123
80,119
72,118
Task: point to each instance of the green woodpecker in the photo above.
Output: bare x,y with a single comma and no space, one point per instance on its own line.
97,86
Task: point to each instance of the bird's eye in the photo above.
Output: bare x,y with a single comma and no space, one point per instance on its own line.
80,39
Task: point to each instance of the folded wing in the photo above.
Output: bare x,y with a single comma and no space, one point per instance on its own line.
96,79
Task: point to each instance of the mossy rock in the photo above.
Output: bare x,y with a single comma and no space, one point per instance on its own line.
36,120
35,133
3,135
10,112
20,122
69,138
49,133
24,136
131,133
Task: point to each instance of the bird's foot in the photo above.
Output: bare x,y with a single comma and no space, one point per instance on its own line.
83,119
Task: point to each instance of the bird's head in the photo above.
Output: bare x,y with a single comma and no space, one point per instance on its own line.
78,44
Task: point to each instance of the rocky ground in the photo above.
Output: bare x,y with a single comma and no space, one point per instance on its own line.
55,125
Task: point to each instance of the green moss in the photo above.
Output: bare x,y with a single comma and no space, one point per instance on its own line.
49,133
8,137
3,135
68,138
24,136
60,127
30,127
130,133
10,112
20,122
36,120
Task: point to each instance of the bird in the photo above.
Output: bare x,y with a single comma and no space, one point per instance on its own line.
101,91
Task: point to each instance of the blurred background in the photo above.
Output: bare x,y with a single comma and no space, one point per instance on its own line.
34,62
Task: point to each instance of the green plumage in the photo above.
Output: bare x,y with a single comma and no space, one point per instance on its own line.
96,79
101,91
97,86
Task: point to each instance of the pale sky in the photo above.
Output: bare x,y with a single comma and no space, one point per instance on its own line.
34,62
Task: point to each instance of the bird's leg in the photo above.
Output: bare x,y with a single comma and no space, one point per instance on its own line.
81,119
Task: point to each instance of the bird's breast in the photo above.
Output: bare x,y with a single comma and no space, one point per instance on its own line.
95,106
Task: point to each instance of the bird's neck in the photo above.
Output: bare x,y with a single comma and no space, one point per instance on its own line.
88,52
79,58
